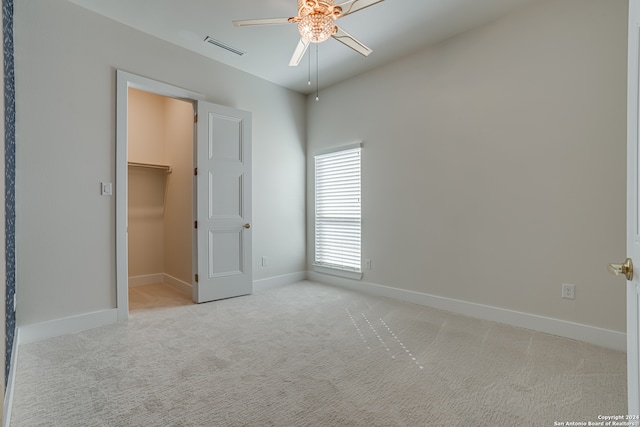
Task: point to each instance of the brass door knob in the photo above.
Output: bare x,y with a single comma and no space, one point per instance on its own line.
247,225
625,269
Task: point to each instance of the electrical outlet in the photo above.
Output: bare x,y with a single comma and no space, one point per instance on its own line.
265,261
367,264
568,291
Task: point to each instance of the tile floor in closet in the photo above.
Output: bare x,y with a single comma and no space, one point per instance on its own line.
157,295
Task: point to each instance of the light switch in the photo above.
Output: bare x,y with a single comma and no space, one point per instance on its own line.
106,188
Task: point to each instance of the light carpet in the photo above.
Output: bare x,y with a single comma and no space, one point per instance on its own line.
313,355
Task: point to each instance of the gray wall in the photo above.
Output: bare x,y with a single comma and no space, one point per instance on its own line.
494,163
66,59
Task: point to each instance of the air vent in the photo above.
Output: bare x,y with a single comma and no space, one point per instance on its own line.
218,43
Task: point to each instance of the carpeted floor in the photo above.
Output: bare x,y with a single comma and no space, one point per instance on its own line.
313,355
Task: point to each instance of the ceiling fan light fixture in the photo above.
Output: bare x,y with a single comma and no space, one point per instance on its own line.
315,21
316,27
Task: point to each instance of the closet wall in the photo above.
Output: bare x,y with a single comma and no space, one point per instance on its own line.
160,203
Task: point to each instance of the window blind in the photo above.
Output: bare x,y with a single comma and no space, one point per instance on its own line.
337,237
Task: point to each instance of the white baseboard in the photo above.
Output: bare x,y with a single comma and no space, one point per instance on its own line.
186,288
11,381
152,279
40,331
147,279
67,325
274,282
577,331
177,284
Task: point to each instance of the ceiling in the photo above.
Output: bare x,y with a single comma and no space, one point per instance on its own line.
392,28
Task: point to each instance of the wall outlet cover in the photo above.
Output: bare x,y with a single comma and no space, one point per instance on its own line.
568,291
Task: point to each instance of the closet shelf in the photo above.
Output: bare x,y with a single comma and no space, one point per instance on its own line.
165,168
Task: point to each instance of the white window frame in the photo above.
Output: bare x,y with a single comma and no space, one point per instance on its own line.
351,271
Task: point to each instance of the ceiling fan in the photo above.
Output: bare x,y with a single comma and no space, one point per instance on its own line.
315,24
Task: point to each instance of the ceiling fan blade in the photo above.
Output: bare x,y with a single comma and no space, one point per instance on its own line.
302,47
352,6
348,40
266,21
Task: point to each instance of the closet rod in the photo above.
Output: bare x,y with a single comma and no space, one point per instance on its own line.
150,166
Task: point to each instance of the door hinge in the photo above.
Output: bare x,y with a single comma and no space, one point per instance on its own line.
196,278
195,119
195,171
196,224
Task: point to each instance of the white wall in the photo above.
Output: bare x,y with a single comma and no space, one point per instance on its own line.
160,209
178,214
494,163
146,187
66,146
146,239
146,127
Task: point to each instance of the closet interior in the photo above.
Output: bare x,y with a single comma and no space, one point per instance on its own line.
160,200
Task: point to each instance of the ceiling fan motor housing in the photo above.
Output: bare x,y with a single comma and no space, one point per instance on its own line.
325,7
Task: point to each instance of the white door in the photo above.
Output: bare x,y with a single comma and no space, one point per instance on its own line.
633,211
223,188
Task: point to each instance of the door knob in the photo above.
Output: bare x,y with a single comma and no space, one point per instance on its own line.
247,225
622,269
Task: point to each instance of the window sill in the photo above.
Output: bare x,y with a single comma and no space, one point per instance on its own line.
347,274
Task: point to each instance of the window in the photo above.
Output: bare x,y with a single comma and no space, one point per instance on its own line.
337,225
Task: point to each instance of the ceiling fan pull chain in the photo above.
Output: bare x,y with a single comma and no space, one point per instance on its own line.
309,82
317,76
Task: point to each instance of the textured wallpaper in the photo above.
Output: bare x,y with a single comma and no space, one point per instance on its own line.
10,177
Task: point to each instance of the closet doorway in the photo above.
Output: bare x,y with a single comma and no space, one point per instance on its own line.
220,205
160,200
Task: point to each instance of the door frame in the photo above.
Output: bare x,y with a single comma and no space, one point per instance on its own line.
124,81
633,241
